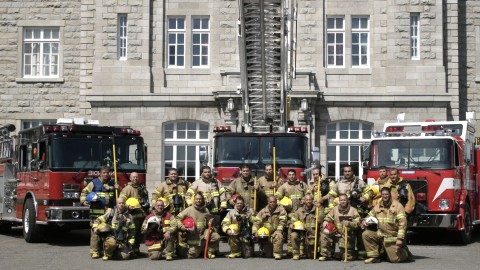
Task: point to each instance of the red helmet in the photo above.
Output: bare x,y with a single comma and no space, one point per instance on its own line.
189,223
234,197
329,228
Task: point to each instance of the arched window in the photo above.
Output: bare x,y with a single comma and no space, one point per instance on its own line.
182,141
344,146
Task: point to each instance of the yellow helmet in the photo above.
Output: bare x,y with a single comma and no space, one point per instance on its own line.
263,232
104,229
165,201
132,202
299,226
234,228
375,189
286,202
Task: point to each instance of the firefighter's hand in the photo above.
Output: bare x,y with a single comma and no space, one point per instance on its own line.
290,226
346,223
362,199
210,221
364,223
167,235
95,231
255,187
316,203
399,242
85,203
231,202
230,232
117,187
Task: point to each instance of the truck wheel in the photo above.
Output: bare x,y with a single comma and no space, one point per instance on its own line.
32,232
466,233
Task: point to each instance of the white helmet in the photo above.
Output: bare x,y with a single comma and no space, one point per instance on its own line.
371,221
152,219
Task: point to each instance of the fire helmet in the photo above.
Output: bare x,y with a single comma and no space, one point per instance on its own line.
286,202
92,197
104,229
132,202
234,228
329,228
298,226
372,223
189,223
234,197
165,201
375,189
263,232
152,219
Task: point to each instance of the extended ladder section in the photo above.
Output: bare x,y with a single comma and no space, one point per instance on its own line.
265,61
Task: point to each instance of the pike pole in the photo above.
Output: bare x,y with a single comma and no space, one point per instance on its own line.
115,167
345,230
316,221
207,239
274,170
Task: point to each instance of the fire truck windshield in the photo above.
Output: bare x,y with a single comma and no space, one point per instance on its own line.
258,150
412,154
82,153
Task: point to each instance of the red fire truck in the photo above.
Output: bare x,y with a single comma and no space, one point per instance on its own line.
44,169
440,160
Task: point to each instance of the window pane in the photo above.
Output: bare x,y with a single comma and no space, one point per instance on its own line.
168,152
354,134
191,134
196,23
196,61
180,23
354,153
196,38
344,126
191,152
343,153
354,125
355,23
181,152
204,39
331,152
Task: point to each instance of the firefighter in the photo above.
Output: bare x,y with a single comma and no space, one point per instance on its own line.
242,186
358,193
379,183
294,190
212,190
196,229
391,231
101,191
268,228
136,208
236,224
265,186
158,232
174,189
342,216
325,186
401,191
303,239
117,230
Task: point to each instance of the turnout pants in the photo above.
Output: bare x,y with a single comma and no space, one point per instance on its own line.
373,243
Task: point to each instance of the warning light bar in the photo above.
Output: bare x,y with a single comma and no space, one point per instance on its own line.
222,129
298,129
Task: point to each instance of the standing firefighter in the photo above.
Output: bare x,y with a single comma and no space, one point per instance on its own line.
401,191
325,186
268,229
243,186
346,221
98,195
158,232
302,239
136,200
194,220
212,190
237,225
117,230
266,186
390,234
174,189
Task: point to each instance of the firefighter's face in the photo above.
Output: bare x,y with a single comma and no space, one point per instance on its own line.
291,176
272,203
385,196
383,173
268,171
315,174
343,201
121,204
394,175
245,172
198,200
347,173
239,204
159,206
134,178
206,174
105,174
308,201
172,175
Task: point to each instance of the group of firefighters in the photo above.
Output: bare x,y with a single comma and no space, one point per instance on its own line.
368,222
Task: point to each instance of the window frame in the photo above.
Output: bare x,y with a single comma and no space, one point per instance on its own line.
335,31
177,32
414,37
202,32
360,31
122,36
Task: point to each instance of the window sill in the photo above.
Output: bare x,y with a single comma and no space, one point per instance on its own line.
187,71
349,71
40,80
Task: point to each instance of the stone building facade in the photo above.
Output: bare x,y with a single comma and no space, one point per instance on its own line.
169,67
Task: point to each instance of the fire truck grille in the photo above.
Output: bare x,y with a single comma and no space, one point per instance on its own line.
420,186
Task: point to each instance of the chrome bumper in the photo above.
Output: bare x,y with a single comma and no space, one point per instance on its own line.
433,221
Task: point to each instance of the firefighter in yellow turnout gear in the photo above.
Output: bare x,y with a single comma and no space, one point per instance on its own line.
343,215
265,186
401,191
158,232
174,190
212,190
391,231
268,229
117,230
243,186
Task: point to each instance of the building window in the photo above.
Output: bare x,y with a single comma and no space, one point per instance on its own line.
122,36
41,51
200,41
335,41
414,35
183,140
35,123
176,42
360,41
344,146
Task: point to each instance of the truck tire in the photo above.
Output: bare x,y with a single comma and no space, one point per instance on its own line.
466,234
32,232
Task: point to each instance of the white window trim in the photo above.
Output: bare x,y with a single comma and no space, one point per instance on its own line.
122,36
335,31
201,32
176,31
360,31
417,37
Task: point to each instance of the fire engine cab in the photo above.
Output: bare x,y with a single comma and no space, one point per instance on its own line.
44,169
440,160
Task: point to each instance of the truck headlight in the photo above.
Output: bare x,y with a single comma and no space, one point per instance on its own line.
444,204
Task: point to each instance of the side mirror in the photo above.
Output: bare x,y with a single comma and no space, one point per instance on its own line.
203,154
315,156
